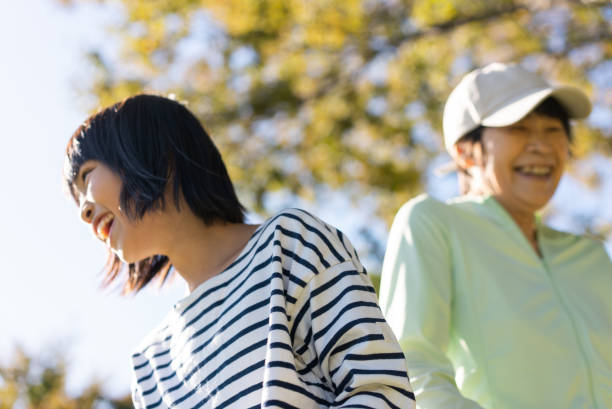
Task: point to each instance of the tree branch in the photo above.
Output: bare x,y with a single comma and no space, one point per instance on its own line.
483,17
592,3
457,22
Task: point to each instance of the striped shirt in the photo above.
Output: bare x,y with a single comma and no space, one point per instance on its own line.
293,322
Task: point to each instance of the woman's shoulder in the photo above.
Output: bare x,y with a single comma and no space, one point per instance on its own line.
570,240
294,217
295,228
423,203
424,209
299,221
425,206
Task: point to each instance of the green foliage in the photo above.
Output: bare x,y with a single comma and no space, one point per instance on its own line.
375,278
300,94
40,384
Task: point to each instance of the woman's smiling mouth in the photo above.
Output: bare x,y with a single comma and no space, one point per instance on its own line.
540,171
103,225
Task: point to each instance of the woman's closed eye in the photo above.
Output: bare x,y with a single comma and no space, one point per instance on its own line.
554,129
80,184
84,175
519,128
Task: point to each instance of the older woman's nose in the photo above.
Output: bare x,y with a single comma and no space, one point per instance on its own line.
539,144
87,211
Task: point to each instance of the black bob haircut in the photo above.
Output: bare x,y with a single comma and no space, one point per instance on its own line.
550,107
153,143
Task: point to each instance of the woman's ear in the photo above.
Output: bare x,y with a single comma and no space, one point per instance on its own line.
463,154
469,158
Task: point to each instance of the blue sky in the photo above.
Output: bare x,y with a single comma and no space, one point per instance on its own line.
50,297
49,294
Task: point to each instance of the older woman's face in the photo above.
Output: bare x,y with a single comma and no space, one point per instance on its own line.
521,164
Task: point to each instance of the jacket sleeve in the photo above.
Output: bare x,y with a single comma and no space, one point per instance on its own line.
416,296
341,334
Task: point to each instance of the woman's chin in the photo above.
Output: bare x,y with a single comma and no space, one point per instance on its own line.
122,256
537,202
128,258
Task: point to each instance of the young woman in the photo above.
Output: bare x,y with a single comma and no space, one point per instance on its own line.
278,315
492,308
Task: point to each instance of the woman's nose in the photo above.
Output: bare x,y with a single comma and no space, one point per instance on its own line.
87,212
539,143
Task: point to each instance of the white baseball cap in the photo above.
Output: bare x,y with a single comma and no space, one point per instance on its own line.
500,95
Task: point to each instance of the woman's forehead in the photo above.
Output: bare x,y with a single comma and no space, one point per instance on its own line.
537,116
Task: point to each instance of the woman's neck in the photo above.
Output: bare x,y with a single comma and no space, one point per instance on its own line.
526,222
199,252
473,184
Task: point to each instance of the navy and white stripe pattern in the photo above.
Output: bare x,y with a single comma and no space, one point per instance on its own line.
292,323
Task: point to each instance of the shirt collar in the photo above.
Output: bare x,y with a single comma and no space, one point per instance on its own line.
489,208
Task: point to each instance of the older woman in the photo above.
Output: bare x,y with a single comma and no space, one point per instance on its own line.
492,308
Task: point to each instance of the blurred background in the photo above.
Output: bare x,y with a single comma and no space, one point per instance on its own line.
329,105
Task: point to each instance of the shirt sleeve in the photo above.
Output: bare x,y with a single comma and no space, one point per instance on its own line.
137,396
342,337
415,296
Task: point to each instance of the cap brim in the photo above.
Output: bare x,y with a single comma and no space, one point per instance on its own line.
575,102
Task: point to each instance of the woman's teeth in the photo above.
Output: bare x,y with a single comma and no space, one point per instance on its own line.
535,170
103,227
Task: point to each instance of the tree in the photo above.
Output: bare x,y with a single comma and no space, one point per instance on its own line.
38,383
346,94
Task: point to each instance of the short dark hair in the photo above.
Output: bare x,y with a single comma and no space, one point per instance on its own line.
550,107
152,143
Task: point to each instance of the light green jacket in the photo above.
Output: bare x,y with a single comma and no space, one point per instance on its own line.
485,322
